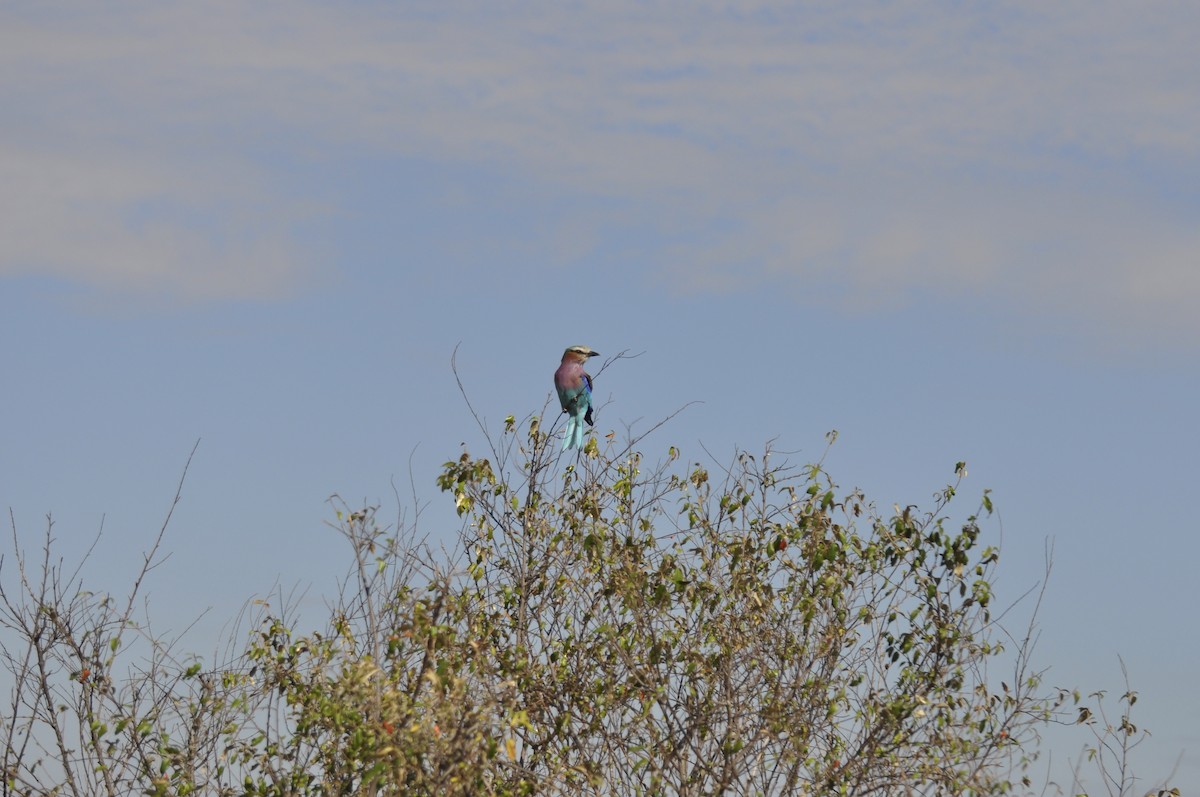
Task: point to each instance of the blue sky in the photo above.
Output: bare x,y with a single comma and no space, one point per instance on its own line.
949,231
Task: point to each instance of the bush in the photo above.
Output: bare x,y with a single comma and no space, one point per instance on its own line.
603,626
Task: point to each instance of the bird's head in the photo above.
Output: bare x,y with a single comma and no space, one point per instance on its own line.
579,354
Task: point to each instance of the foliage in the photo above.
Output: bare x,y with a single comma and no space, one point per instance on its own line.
604,626
670,632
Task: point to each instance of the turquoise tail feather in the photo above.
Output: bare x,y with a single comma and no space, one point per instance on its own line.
569,434
573,435
578,432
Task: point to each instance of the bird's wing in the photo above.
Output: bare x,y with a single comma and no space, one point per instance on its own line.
587,383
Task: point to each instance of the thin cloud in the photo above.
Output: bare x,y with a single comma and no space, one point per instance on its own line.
1028,151
129,224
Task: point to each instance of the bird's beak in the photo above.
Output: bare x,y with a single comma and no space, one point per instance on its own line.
593,354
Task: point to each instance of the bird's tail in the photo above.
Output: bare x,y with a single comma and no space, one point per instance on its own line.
569,434
578,433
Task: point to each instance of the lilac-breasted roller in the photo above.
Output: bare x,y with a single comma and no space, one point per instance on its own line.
574,387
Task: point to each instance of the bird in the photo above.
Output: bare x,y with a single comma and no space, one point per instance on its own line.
574,386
